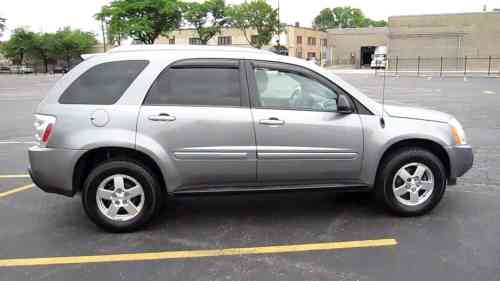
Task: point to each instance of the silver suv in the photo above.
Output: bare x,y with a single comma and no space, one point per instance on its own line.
132,126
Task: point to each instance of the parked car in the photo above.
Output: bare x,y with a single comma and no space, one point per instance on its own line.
4,69
21,69
379,58
60,69
130,127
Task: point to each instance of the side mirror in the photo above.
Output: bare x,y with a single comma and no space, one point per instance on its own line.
344,105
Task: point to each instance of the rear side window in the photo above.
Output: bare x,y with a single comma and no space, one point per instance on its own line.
198,86
104,83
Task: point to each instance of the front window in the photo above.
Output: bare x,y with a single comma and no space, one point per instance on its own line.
195,41
281,89
224,40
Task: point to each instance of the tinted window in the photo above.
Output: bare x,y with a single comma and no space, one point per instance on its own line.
214,86
290,90
103,84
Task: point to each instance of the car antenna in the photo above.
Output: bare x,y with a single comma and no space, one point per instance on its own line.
382,121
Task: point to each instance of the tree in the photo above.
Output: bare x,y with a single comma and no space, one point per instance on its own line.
142,20
115,28
44,48
70,44
255,15
344,17
207,18
20,44
2,25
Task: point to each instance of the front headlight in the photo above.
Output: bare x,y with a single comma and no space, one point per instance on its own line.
458,132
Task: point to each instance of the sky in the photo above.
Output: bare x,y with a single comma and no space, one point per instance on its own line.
50,15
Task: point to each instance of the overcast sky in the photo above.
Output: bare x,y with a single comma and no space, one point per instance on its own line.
50,15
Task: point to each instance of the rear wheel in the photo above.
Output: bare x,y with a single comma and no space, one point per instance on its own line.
411,181
121,195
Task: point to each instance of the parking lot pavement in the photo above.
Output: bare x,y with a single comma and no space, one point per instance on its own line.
275,233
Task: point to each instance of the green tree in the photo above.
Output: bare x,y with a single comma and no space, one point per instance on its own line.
344,17
44,48
115,28
255,15
207,18
19,45
142,20
70,44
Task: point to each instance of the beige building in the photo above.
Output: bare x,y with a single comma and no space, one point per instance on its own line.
299,41
446,35
354,46
451,36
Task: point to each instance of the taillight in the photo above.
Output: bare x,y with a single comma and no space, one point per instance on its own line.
44,125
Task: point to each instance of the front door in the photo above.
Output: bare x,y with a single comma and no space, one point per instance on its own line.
300,136
198,112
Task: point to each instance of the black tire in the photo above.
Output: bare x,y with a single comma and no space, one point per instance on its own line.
389,167
153,197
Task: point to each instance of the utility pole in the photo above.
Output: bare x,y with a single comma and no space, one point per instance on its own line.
279,30
103,34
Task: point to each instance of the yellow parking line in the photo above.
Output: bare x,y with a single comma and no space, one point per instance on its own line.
197,253
14,176
16,190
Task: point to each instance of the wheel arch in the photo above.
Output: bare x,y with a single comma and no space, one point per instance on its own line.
430,145
95,156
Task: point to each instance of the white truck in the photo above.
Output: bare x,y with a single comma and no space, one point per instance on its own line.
379,59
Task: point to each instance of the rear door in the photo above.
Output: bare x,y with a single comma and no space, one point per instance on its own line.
300,135
198,111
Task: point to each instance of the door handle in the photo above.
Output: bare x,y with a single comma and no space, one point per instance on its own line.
162,117
272,121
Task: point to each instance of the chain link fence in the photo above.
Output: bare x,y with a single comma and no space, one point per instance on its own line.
445,66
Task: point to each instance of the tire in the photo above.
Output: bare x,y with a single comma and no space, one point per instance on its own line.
406,202
106,213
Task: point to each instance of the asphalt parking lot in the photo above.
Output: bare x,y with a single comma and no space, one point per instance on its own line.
279,236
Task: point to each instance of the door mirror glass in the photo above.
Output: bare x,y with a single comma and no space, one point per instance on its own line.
344,105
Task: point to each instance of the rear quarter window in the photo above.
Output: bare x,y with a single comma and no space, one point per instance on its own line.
103,83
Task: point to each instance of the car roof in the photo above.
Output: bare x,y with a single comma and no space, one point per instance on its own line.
194,48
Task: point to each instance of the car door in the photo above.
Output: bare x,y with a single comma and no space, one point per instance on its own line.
300,136
198,112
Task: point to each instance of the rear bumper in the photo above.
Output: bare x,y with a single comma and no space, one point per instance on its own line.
461,160
52,169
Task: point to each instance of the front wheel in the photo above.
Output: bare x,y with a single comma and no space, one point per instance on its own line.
411,181
121,195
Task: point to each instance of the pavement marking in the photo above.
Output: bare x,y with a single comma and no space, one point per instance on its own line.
489,93
197,253
19,176
16,190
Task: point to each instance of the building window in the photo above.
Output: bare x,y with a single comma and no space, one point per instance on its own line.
194,41
311,55
323,42
299,52
253,39
224,40
171,41
311,41
299,40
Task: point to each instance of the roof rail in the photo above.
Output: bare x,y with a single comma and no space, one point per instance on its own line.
166,47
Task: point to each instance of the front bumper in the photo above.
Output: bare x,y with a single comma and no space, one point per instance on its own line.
52,169
461,160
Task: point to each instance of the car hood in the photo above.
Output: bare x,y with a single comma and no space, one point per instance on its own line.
417,113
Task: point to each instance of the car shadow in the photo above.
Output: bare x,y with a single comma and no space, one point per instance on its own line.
265,208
